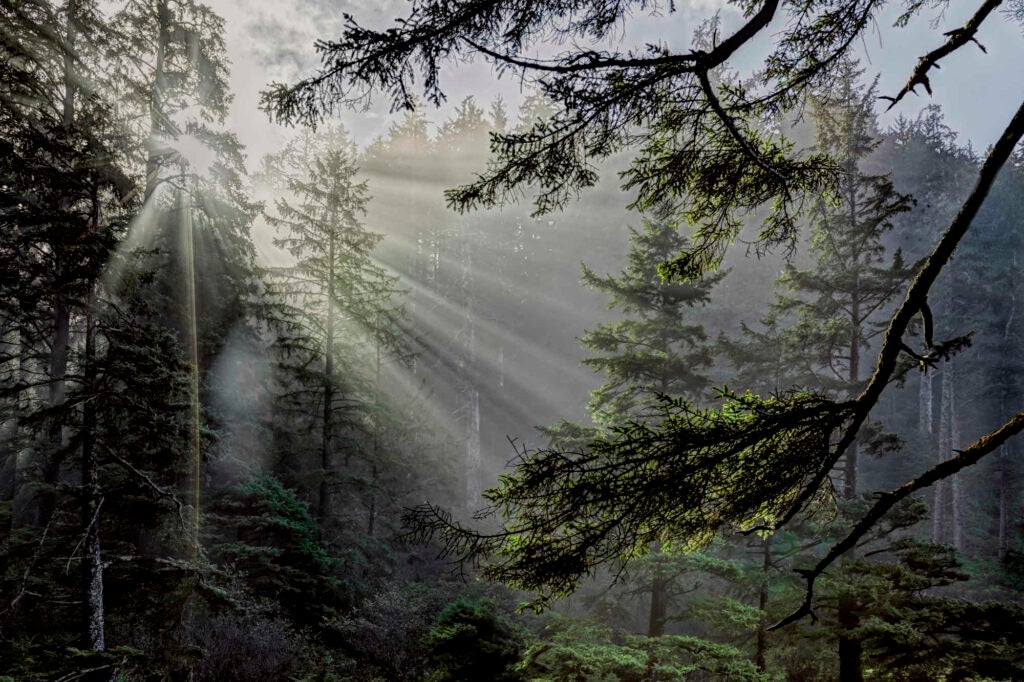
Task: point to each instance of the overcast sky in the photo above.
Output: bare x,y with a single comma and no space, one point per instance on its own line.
271,40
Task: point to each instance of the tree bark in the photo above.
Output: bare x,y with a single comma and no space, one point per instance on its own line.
327,431
92,560
761,652
940,499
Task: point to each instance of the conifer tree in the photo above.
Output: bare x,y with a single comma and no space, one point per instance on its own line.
839,304
828,314
336,300
61,155
651,354
654,350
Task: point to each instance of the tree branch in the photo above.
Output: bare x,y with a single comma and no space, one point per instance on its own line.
916,298
730,125
963,459
957,38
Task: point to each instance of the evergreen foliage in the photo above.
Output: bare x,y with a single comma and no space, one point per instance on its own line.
572,650
566,512
652,352
471,641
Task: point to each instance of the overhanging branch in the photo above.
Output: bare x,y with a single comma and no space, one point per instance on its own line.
963,459
915,300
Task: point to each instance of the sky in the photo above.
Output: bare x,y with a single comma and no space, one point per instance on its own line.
271,40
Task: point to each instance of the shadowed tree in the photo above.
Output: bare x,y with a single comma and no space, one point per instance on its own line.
335,299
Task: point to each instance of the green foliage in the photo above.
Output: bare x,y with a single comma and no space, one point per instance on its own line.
913,631
826,315
653,351
677,481
471,640
581,651
389,635
269,537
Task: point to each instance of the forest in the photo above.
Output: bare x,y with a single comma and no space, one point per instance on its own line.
697,360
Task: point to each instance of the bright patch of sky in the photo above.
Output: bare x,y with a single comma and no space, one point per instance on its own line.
270,40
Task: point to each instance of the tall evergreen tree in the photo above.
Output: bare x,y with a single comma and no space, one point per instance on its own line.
828,314
336,300
650,355
840,303
654,350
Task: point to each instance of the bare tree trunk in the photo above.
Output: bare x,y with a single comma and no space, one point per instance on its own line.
940,503
925,419
761,652
92,560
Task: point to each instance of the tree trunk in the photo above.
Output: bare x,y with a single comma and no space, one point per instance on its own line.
327,431
92,560
60,343
25,511
376,428
850,669
957,482
9,432
156,105
474,488
940,499
1004,452
660,583
761,652
373,501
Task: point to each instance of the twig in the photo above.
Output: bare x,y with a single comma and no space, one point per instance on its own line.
956,39
85,534
152,485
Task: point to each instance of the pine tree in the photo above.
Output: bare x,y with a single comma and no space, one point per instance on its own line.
335,299
651,354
